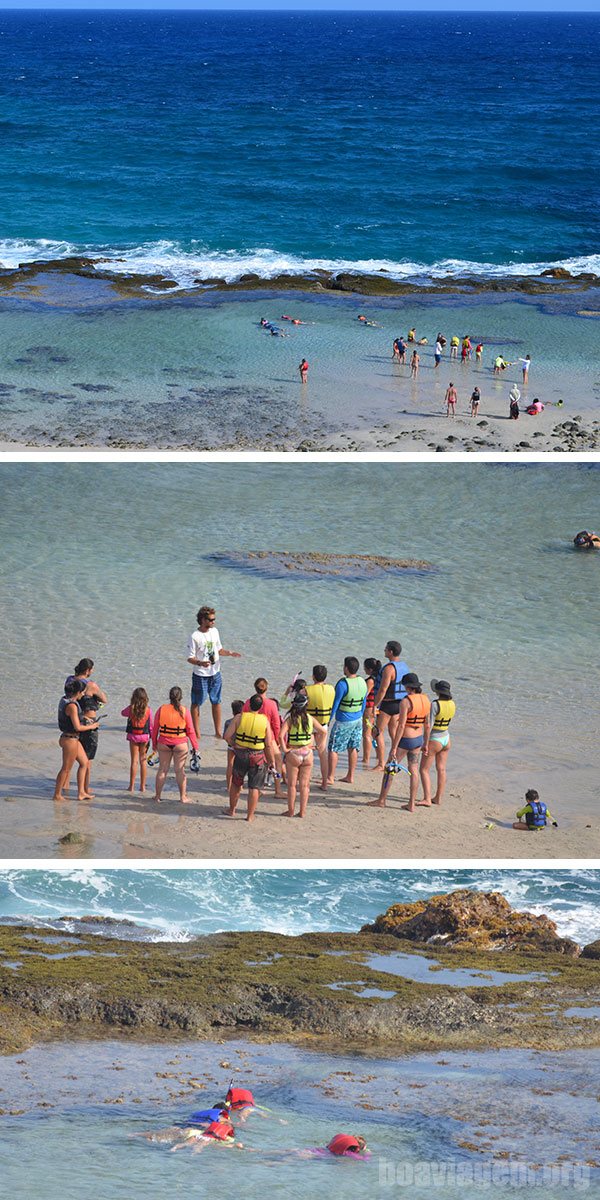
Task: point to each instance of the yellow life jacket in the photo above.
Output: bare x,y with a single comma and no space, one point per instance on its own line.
320,701
444,716
297,736
419,710
252,730
170,722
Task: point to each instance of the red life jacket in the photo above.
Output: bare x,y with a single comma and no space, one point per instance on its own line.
343,1143
220,1130
240,1098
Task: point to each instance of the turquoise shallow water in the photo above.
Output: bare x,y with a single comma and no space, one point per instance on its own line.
83,1104
85,369
118,561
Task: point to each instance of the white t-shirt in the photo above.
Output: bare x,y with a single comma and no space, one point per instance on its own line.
201,645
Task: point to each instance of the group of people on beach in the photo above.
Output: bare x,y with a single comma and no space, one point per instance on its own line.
214,1126
269,740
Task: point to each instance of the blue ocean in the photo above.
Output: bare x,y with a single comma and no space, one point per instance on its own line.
213,144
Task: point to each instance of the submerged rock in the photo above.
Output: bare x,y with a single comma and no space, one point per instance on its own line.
477,920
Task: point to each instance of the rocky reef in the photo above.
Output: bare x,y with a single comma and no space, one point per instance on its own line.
279,564
328,990
473,920
381,283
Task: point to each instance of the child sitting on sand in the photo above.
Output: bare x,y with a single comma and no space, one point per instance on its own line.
535,813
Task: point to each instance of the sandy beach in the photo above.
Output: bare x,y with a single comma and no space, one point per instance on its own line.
339,824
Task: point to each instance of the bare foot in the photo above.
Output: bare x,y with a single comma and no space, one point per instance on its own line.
157,799
376,804
323,785
435,800
286,814
423,803
346,779
330,783
226,812
86,796
407,807
185,800
60,797
301,815
131,790
142,789
376,769
249,818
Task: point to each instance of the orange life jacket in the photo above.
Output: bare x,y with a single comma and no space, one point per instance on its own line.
170,722
143,727
419,710
343,1143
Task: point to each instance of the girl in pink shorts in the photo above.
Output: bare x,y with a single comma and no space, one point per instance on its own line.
139,724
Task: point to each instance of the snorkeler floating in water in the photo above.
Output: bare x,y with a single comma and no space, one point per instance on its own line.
365,321
586,540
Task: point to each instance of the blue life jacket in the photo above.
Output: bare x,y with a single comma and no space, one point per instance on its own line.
395,691
536,819
206,1115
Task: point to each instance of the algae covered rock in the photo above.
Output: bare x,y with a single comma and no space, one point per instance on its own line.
591,951
475,920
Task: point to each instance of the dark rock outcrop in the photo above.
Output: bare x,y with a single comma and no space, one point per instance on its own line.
477,920
592,950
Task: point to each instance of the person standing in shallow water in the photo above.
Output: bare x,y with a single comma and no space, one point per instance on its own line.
303,369
204,653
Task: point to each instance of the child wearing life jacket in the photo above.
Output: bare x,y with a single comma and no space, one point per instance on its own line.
236,707
343,1145
535,812
139,723
219,1131
241,1102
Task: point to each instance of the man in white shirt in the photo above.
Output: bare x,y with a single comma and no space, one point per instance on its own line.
204,653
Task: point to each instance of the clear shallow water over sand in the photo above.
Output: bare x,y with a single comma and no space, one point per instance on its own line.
111,561
464,1110
82,368
175,905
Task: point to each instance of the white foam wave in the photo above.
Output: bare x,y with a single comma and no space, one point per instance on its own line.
187,265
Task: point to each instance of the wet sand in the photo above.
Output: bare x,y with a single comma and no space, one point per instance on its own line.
473,822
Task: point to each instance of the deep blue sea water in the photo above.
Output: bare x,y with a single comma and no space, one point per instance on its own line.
213,143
